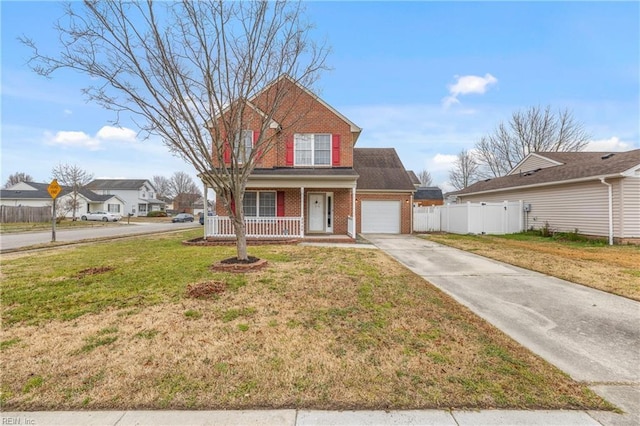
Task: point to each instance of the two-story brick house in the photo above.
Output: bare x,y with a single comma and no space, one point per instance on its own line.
307,184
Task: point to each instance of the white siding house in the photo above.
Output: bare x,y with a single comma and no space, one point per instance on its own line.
570,191
34,194
138,195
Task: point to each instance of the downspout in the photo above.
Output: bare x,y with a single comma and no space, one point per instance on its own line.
610,210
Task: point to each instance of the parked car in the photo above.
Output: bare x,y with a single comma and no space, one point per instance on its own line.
182,217
103,216
202,217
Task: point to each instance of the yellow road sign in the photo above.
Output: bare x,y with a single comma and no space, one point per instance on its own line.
54,189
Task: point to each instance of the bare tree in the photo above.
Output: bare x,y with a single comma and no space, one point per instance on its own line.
18,177
532,130
187,71
162,186
72,176
184,191
425,178
465,170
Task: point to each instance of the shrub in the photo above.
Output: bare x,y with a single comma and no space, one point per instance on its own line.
157,214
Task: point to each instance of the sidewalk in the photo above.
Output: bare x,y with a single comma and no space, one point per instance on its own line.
298,418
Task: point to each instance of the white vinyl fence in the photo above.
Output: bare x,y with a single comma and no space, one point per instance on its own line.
471,218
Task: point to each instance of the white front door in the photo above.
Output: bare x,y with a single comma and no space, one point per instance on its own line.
316,213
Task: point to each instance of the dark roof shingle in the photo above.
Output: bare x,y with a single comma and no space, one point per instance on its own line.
380,169
125,184
428,193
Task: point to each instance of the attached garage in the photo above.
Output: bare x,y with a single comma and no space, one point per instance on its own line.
380,217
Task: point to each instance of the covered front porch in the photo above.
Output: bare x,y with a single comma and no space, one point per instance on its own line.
307,207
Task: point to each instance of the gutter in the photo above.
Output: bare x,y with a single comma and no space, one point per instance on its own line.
602,179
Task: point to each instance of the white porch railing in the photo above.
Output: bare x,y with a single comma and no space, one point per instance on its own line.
256,227
350,229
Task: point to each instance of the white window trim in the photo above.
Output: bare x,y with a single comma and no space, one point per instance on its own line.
313,150
275,198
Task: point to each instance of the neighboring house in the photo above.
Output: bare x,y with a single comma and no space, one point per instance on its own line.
198,206
35,194
308,184
596,193
138,194
428,196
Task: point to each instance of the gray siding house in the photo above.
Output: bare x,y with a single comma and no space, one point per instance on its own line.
597,193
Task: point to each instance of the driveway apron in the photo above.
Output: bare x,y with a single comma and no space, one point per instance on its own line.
591,335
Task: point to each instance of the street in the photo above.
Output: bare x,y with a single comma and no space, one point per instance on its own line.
19,240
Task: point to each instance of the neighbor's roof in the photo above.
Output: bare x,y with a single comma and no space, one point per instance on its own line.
124,184
380,169
413,177
575,166
41,192
428,193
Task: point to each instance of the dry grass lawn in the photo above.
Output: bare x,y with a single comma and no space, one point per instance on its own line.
614,269
318,328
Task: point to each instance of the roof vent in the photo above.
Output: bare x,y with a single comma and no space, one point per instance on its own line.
487,180
607,156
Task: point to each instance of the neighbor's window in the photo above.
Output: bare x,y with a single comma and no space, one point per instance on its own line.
244,146
312,149
259,204
113,208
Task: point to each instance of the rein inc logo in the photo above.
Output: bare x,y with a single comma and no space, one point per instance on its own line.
18,421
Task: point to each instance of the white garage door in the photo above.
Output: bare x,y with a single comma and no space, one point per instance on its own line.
381,217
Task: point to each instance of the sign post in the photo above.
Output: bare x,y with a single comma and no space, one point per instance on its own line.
54,189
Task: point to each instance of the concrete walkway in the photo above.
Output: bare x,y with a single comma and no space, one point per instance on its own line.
298,418
591,335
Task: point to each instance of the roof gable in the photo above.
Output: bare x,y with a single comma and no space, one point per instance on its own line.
577,166
380,169
534,161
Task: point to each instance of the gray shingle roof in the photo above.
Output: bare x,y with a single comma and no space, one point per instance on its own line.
42,193
380,169
413,177
576,165
125,184
428,193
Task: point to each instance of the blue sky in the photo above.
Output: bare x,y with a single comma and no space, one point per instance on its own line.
428,78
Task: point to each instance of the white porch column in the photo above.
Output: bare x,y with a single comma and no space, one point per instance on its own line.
301,212
206,209
353,211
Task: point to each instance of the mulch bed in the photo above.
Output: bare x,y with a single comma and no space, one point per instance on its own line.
234,265
94,271
232,242
206,290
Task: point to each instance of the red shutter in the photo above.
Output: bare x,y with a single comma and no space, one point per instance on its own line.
227,152
233,206
256,136
289,146
335,148
280,204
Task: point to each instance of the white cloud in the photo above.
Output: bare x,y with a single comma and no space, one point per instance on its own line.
468,84
110,133
612,144
67,112
76,139
71,139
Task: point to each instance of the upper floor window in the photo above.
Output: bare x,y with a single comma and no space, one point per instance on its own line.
242,147
312,149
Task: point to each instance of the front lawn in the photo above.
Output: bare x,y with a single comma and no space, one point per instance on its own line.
112,326
614,269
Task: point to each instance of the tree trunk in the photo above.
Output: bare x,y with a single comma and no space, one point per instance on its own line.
241,237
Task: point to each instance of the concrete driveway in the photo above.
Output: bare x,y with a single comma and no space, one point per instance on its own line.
591,335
